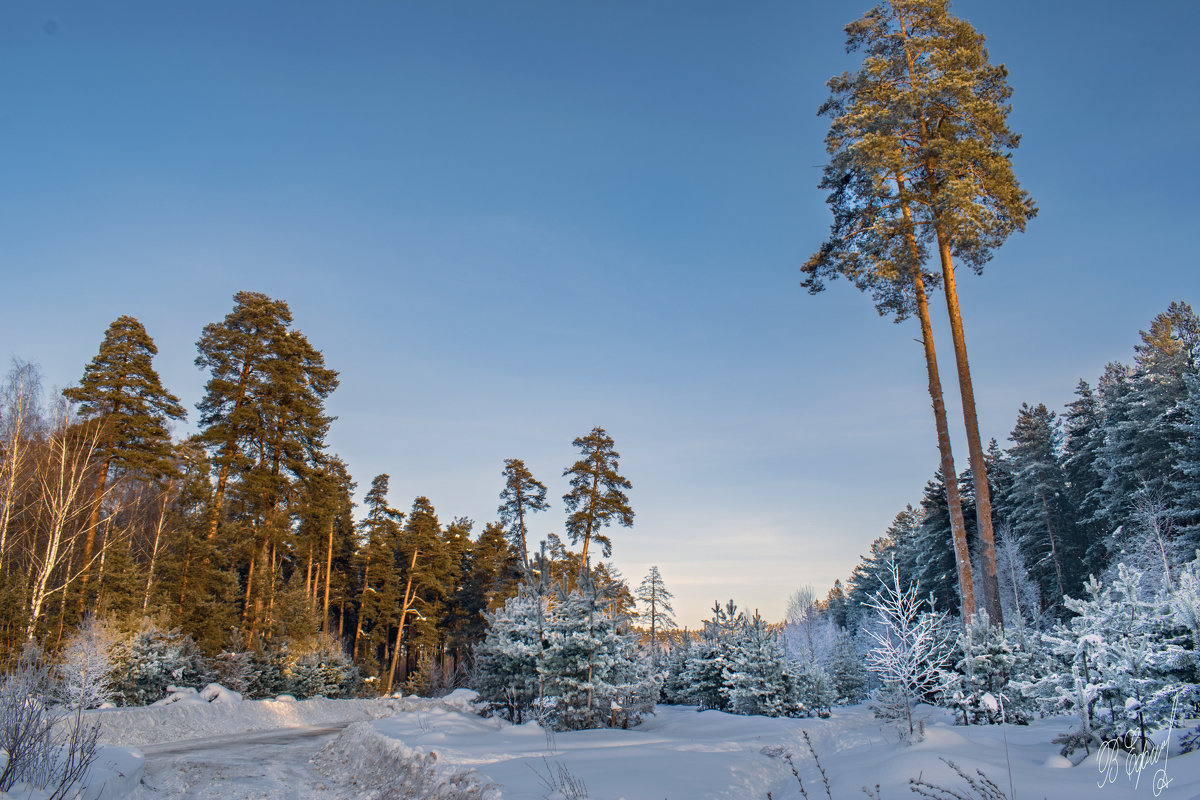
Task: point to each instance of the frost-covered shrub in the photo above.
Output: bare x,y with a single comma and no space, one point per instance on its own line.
233,666
738,665
755,681
322,669
812,689
85,666
152,659
911,650
675,689
46,746
509,661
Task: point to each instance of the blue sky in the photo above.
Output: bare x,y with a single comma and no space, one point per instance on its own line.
506,223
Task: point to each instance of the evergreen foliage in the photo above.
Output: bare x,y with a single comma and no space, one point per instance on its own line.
121,389
523,494
656,612
1041,518
847,670
597,497
563,657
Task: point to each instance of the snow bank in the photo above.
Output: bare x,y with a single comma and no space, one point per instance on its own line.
114,775
200,717
379,766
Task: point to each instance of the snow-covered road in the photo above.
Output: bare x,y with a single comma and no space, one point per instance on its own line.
268,764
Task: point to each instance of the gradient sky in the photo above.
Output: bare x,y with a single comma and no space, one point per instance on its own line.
506,223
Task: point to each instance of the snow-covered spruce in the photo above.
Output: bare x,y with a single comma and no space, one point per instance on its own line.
562,656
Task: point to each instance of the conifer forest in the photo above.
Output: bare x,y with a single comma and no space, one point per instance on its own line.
1035,602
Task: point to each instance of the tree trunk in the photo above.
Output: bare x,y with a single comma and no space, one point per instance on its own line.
89,542
591,520
361,602
158,529
328,572
979,476
1053,547
409,596
958,525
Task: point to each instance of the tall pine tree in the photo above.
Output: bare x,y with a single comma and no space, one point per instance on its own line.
596,499
928,99
523,495
121,392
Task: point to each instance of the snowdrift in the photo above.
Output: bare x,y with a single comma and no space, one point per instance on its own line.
381,767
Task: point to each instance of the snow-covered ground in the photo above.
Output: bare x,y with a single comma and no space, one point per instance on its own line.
682,754
439,749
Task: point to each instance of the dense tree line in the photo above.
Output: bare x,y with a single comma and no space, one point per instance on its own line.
243,537
1114,479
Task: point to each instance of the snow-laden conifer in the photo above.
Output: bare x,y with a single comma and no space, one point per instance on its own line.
1120,664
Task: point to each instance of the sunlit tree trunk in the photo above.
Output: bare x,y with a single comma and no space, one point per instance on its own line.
62,480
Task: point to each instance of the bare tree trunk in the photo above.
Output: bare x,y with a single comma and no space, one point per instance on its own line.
409,596
983,494
587,538
1062,592
308,577
361,602
328,572
20,411
958,525
62,478
89,542
158,530
246,600
270,621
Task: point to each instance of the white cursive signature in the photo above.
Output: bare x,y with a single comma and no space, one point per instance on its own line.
1109,757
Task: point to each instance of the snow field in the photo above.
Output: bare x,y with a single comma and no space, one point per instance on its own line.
680,754
441,750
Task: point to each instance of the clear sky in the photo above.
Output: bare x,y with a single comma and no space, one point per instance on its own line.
506,223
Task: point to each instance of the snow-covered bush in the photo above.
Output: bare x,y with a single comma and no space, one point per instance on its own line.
324,669
152,659
739,665
910,653
509,661
233,666
45,746
755,681
85,666
813,690
675,689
